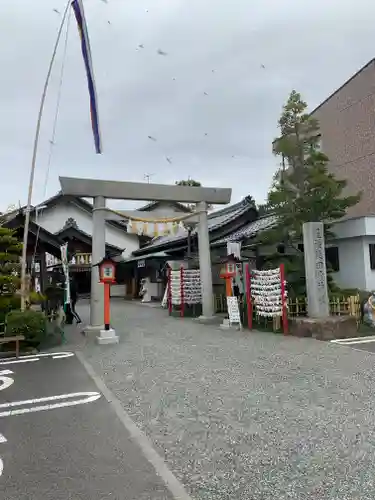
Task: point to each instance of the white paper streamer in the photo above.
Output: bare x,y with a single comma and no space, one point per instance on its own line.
192,290
266,292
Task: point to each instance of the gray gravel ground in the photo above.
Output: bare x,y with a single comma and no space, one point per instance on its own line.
241,415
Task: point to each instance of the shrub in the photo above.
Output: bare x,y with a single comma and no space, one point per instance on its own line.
36,298
30,324
7,305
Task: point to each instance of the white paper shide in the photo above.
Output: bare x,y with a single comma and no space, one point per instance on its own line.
266,292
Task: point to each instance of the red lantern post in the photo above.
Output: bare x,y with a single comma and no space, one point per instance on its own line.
107,276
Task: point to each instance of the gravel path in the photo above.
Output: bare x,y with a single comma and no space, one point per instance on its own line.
248,416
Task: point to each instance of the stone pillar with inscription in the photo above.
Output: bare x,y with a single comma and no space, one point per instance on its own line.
315,267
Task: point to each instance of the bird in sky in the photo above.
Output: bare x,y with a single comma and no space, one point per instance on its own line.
162,53
141,46
152,138
57,11
205,93
169,160
262,66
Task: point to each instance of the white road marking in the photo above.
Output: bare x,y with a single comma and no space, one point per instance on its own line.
18,361
359,341
6,372
86,397
175,486
5,382
36,357
353,339
2,440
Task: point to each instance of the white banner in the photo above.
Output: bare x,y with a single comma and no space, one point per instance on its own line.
65,266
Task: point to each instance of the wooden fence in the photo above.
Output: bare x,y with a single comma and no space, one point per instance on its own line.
298,306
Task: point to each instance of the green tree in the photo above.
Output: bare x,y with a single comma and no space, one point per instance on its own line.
302,191
262,209
10,251
191,183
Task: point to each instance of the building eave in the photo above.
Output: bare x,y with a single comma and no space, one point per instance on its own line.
53,241
80,203
71,231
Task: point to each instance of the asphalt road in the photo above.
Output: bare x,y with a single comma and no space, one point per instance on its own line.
80,452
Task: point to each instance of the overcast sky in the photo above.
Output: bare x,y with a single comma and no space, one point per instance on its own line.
212,102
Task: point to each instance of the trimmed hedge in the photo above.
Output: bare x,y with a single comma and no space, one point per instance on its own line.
30,324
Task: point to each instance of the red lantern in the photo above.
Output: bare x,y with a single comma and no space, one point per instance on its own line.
107,271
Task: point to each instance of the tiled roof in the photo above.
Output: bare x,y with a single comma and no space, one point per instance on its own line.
215,220
250,230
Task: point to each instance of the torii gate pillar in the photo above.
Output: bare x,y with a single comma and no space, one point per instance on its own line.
98,253
205,263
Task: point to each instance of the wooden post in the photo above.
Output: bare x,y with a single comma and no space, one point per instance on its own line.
248,298
169,294
182,308
228,286
283,300
107,306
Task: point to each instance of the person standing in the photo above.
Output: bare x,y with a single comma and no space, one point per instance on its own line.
73,300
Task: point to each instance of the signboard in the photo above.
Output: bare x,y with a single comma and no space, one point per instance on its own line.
233,311
141,263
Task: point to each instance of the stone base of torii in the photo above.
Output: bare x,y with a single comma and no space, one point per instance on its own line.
100,191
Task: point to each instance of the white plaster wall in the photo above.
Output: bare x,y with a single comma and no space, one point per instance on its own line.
53,219
352,272
164,209
350,228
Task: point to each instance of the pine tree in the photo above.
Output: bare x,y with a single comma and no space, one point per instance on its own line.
10,251
302,191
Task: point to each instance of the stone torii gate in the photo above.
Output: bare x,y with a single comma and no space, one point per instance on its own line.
101,190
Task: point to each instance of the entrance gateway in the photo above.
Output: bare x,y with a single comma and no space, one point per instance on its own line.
101,190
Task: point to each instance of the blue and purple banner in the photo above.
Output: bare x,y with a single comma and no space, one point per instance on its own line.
79,13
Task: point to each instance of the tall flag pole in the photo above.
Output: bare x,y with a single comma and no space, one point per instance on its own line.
79,13
33,160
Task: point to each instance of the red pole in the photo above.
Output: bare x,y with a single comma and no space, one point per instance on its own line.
283,300
182,310
107,300
248,298
169,293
